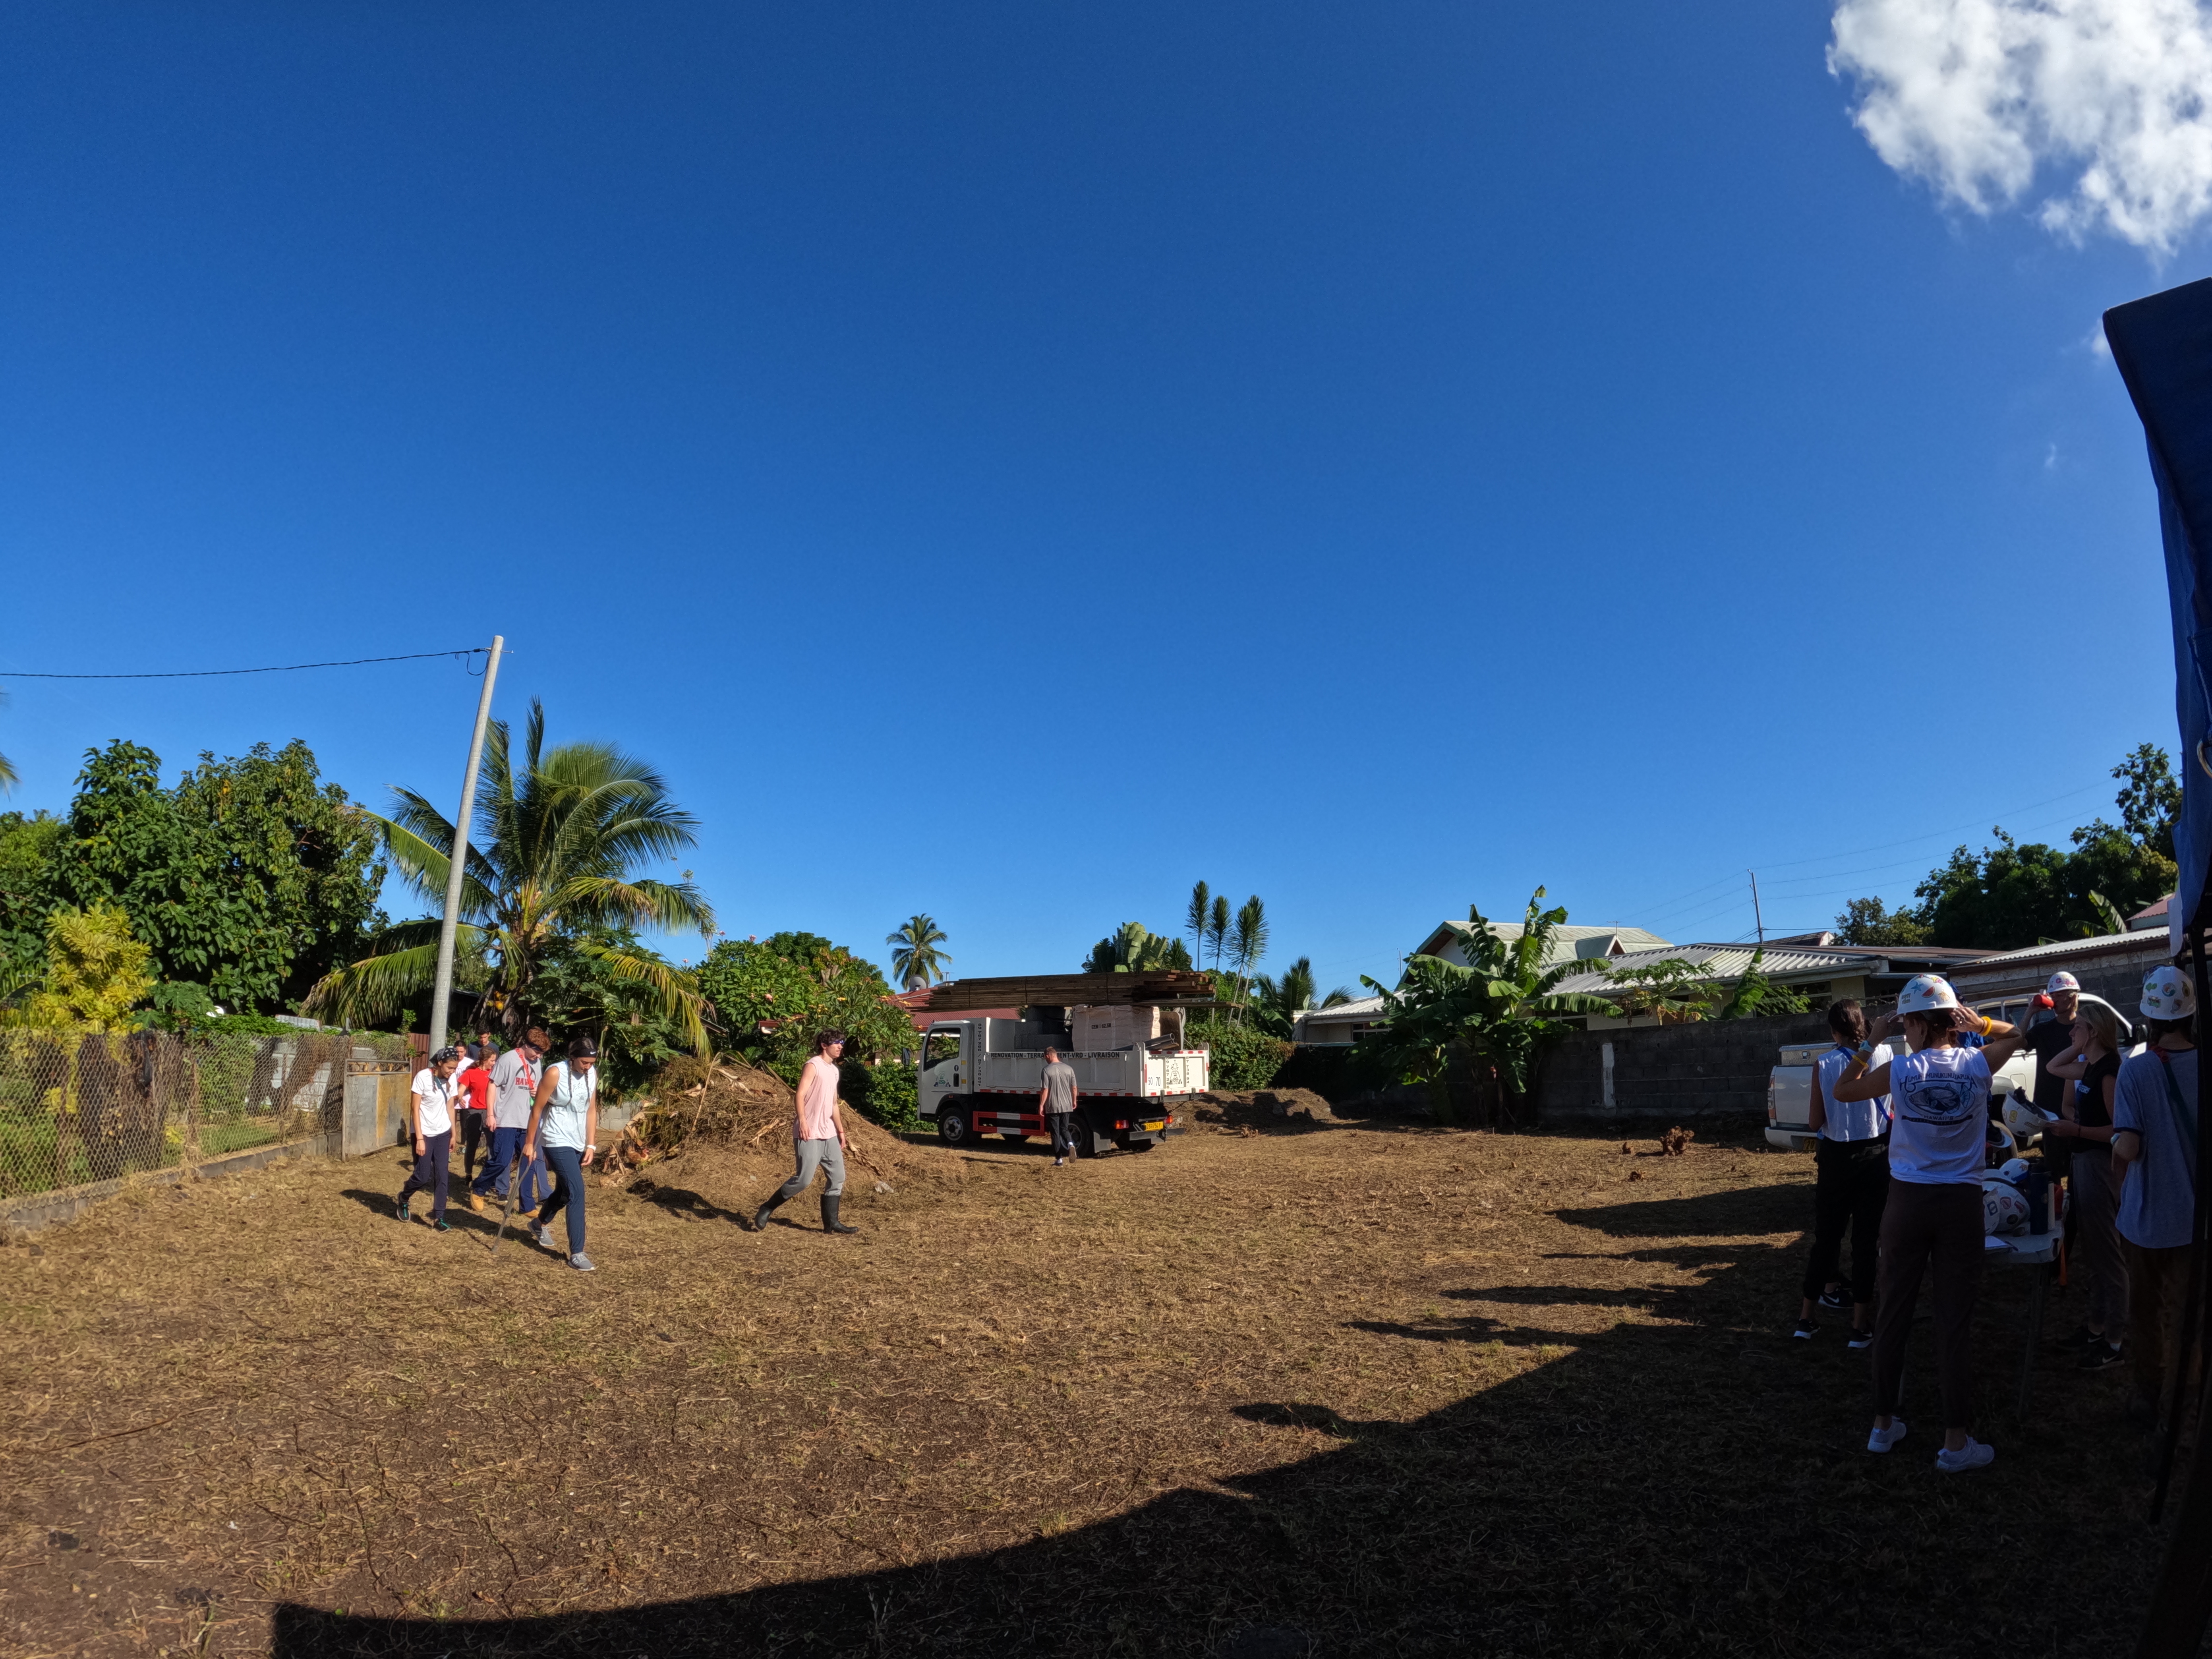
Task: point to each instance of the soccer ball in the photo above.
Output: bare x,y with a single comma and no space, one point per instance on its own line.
2003,1209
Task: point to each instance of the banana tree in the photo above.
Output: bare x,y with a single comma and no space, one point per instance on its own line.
1489,1020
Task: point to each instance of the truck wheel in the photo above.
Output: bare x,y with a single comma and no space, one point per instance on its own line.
953,1127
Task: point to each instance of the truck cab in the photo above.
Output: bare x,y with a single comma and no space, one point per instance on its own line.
983,1076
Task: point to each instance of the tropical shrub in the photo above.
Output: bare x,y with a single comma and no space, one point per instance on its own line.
770,996
886,1093
1244,1057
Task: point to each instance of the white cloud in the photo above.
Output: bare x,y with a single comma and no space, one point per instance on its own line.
2113,98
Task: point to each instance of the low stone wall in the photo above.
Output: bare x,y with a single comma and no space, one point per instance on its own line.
1673,1072
33,1211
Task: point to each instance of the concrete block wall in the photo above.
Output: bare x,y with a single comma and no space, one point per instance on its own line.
1671,1071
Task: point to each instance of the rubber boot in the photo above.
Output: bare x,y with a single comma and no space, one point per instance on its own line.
760,1215
829,1222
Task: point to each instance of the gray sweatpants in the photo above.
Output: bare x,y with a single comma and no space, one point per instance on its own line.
827,1155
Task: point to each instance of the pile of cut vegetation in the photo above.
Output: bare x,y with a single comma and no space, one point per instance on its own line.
727,1116
1236,1109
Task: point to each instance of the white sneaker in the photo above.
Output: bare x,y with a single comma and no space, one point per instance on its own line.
543,1235
1880,1440
1972,1455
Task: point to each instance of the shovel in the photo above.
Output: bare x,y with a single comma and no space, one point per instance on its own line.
506,1207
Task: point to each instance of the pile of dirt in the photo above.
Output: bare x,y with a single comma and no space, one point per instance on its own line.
1237,1109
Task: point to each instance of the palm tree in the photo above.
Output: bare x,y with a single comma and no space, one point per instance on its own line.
1278,1002
1248,942
915,959
1194,918
7,771
1217,929
568,830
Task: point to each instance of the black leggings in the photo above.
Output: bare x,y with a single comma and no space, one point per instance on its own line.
1851,1186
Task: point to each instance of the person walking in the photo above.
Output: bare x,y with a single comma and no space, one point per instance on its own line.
472,1095
514,1093
430,1127
564,1125
1057,1100
819,1134
1851,1177
2091,1068
1939,1098
2155,1143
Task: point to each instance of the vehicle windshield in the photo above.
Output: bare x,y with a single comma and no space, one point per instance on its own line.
940,1047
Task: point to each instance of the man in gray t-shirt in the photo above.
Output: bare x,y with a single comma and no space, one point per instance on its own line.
1057,1098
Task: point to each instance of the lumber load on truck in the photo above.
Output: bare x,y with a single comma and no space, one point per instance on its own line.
1069,990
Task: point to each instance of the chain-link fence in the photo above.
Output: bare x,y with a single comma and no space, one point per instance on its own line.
87,1106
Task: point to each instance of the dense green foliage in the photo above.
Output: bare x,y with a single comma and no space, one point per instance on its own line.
1133,948
581,993
770,996
250,876
557,844
1678,991
887,1093
1242,1056
2009,895
1484,1025
1276,1003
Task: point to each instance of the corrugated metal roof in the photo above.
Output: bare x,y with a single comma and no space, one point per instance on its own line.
2142,936
1357,1008
1728,962
1566,941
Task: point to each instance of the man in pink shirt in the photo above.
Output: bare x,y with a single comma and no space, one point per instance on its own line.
819,1133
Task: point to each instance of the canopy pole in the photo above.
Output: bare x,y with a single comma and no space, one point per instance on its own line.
441,990
2181,1602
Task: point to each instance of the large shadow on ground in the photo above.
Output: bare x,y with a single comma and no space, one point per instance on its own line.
1696,1488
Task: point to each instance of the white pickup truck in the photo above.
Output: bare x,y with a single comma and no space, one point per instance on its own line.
982,1077
1790,1086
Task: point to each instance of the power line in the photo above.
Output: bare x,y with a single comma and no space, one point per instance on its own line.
285,668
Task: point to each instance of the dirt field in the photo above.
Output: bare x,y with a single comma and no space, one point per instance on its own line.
1337,1390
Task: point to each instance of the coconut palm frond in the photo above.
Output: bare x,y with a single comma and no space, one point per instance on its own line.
676,991
372,990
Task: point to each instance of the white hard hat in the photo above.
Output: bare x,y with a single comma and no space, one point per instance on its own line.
2062,980
2015,1169
2167,994
1925,992
2023,1118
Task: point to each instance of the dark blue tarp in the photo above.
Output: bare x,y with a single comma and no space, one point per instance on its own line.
2163,346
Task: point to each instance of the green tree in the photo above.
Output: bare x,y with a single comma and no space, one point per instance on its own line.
1196,916
1216,928
30,871
915,959
1753,993
96,971
252,877
1276,1003
1671,991
1488,1023
568,831
584,992
1248,943
1135,948
770,996
1869,921
1238,1056
2149,798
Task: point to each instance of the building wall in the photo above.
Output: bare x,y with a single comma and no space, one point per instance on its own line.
1672,1072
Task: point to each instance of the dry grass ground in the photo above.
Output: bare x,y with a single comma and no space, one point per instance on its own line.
1344,1391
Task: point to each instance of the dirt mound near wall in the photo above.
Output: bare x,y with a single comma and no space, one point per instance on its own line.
1261,1108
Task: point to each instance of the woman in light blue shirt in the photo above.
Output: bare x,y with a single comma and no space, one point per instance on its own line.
565,1124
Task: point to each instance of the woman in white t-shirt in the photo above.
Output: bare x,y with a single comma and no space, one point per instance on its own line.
565,1124
430,1129
1939,1097
1850,1182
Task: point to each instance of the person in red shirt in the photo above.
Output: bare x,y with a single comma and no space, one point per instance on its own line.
472,1092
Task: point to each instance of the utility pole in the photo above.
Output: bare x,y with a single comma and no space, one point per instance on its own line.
441,993
1756,917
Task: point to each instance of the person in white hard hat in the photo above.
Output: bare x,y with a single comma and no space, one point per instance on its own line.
2154,1124
2050,1037
1939,1097
2092,1063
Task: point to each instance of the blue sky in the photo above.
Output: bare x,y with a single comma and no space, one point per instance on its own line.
1010,462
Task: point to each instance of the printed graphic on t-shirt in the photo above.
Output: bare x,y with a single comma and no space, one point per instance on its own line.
1932,1099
